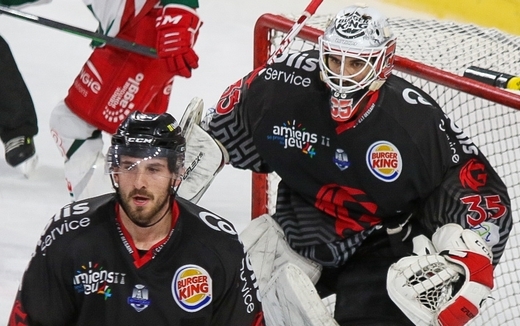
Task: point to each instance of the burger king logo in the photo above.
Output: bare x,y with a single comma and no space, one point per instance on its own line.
191,288
384,161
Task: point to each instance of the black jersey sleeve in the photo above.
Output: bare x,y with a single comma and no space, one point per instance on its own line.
470,192
240,304
43,298
228,124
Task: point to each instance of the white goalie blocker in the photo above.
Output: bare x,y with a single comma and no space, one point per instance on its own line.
448,280
205,156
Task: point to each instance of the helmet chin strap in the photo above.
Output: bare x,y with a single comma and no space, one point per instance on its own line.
160,219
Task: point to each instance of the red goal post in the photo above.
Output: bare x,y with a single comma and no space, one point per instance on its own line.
433,55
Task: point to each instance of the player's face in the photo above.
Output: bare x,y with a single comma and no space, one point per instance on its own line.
353,68
144,187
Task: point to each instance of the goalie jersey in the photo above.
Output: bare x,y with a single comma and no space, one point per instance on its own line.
86,271
340,181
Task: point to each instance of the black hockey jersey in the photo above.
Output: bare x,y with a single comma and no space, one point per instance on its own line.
339,182
87,271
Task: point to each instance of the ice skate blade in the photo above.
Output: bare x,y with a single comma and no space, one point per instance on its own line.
28,166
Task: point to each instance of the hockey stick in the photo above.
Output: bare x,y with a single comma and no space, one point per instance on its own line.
98,37
493,78
295,29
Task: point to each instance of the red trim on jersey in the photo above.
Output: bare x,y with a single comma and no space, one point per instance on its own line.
18,315
372,98
138,260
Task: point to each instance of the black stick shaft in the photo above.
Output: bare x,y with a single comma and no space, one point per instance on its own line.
98,37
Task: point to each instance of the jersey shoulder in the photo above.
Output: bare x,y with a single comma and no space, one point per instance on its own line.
408,105
409,95
300,69
74,221
209,229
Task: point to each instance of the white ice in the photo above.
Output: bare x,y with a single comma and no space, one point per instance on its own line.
50,60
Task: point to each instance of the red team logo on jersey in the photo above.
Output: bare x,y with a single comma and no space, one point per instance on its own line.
334,199
18,316
473,175
192,288
481,207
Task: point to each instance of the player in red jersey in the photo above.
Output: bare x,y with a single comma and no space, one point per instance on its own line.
115,82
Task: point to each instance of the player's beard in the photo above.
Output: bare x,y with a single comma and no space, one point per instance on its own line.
147,215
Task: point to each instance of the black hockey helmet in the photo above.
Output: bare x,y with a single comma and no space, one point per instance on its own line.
147,135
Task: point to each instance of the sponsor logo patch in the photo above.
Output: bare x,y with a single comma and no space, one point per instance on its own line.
292,134
341,159
192,288
384,161
139,299
489,232
93,278
121,102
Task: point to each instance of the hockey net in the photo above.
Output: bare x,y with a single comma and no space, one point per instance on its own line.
433,55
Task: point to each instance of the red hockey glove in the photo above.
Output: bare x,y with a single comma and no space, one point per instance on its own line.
465,305
177,30
467,250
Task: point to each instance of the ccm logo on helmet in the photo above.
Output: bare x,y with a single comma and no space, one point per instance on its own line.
139,140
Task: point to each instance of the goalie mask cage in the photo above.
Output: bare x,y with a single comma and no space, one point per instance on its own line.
433,55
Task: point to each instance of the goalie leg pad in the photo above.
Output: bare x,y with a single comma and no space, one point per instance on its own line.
268,250
290,298
285,279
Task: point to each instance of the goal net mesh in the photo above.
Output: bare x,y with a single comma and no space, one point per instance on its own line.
494,127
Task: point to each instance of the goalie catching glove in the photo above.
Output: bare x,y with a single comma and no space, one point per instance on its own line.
447,282
178,28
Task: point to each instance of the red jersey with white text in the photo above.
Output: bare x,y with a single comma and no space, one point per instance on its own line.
115,82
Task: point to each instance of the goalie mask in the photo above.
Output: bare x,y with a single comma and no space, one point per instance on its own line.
143,137
356,57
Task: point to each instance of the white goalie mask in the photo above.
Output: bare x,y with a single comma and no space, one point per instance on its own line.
361,34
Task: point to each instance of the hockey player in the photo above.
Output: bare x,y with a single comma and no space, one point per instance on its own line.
115,82
141,255
370,165
18,120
